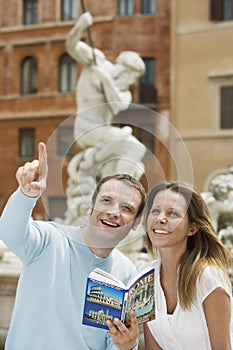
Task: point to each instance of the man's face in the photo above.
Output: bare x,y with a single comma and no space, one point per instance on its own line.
114,211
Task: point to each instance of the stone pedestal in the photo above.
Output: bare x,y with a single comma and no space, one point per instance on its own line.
9,275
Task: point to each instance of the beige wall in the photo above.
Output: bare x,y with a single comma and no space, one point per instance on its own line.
202,60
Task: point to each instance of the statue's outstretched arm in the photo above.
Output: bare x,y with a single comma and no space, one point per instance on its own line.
74,37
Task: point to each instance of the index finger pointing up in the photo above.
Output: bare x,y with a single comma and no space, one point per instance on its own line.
42,157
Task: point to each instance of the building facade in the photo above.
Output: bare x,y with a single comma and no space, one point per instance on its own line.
38,78
202,85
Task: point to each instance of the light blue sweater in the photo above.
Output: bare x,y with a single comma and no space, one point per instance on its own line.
56,262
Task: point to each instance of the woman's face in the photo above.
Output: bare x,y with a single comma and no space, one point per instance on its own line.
167,223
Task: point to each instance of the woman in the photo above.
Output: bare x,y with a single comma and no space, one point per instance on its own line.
192,290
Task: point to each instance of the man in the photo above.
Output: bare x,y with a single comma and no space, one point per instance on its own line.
57,260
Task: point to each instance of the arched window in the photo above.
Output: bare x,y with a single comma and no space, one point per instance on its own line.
68,10
29,76
67,73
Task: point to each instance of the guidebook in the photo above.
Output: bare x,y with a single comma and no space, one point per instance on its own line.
107,297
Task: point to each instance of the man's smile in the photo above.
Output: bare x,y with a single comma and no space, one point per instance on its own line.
109,223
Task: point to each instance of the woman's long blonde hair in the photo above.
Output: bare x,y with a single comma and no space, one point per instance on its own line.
203,249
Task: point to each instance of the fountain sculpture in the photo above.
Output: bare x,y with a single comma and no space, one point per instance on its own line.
219,200
102,92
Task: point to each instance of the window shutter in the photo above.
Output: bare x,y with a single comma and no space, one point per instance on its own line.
216,10
227,107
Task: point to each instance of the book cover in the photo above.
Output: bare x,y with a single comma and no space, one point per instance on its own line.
141,298
107,297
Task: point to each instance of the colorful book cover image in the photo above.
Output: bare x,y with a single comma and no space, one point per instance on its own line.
102,302
141,298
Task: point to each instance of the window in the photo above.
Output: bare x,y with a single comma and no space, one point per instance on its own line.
65,141
26,143
57,207
68,10
67,74
221,10
222,100
226,96
30,12
148,6
147,82
125,7
228,9
28,76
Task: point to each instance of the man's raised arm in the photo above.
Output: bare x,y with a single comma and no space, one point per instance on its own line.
14,221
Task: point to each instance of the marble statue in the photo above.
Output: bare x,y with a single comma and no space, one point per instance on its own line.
219,200
102,92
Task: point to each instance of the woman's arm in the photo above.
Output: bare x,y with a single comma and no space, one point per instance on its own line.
217,308
150,342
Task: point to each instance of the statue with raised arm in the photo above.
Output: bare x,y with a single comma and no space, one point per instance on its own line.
100,83
219,199
102,92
